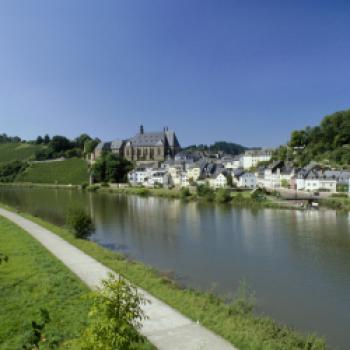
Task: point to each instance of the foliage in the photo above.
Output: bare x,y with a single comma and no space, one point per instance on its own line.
90,145
329,141
185,192
79,222
205,192
219,146
115,316
285,183
71,171
223,195
9,171
111,168
9,139
3,258
36,335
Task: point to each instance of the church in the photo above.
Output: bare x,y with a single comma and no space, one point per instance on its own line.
144,147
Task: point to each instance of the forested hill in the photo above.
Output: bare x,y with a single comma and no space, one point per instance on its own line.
328,142
223,146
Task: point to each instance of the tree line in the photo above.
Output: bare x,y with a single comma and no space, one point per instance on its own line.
327,142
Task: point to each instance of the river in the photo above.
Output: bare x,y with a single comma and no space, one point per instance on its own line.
297,262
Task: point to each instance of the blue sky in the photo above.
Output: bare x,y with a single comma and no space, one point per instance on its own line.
243,71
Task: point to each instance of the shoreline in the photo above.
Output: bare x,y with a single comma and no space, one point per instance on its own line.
244,329
244,201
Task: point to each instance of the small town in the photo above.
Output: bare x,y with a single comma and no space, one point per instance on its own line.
159,162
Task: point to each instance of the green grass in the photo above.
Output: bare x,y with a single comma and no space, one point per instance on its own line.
17,151
337,203
72,171
31,279
246,331
34,279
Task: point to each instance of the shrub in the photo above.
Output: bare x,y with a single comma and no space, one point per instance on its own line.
222,196
115,316
93,188
84,185
79,222
185,192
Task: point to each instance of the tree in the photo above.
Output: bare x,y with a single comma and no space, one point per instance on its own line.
111,168
79,222
115,316
60,143
46,139
39,140
90,145
222,195
81,140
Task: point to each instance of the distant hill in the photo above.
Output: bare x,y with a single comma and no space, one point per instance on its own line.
328,142
223,146
18,151
71,171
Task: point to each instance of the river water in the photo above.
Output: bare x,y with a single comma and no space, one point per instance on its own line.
298,263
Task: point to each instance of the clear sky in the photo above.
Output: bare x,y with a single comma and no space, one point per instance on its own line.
243,71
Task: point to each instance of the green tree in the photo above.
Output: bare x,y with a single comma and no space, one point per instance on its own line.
79,222
60,143
222,195
39,140
111,168
115,316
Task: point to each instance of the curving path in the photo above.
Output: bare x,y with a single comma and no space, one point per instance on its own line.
166,328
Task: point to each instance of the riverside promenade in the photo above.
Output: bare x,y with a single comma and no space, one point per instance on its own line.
166,328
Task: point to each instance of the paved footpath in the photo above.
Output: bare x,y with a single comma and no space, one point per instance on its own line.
166,328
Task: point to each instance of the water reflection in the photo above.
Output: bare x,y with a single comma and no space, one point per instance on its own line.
297,262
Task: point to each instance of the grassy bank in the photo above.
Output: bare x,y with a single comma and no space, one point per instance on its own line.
34,279
337,203
231,320
71,171
18,151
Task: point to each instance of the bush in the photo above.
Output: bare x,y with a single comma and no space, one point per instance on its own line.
205,192
3,258
185,192
9,171
222,196
79,222
84,185
115,316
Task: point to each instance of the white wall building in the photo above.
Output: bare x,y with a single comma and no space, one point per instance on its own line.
252,157
218,181
245,180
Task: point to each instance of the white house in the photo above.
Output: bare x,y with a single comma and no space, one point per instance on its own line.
218,181
252,157
313,179
233,163
139,176
158,177
245,180
276,173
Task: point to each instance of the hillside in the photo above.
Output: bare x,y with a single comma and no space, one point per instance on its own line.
328,142
219,146
72,171
18,151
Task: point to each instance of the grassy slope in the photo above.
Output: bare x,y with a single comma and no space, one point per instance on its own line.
246,331
17,151
32,279
72,171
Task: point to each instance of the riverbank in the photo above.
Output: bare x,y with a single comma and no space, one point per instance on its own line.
244,199
33,279
236,323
